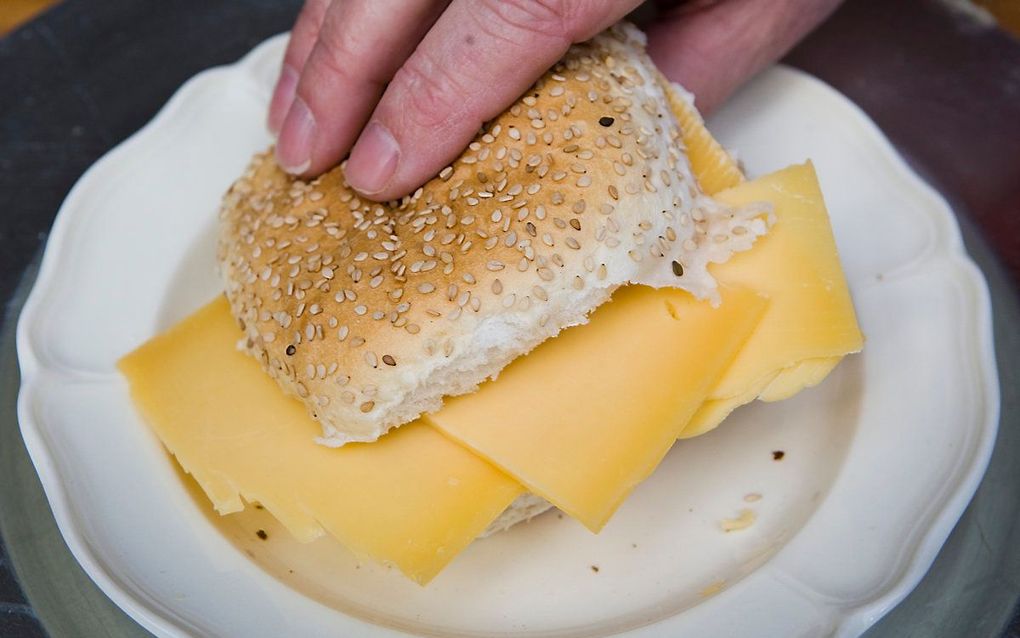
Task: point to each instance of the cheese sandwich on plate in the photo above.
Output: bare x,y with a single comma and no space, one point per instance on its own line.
591,280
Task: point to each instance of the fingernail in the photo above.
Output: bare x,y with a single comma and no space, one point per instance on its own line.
294,150
283,96
373,159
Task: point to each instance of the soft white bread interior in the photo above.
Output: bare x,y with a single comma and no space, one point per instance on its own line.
524,508
372,312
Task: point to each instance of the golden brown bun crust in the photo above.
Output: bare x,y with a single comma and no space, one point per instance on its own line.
371,313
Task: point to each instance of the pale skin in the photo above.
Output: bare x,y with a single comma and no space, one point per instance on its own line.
400,87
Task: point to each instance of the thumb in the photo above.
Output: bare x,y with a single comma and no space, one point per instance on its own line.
713,48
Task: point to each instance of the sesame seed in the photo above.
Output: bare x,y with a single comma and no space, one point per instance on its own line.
389,360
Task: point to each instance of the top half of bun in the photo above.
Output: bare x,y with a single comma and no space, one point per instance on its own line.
371,313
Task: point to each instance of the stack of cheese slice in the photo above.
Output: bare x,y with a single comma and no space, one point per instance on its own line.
580,421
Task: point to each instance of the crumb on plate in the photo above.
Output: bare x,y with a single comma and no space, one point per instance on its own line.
743,521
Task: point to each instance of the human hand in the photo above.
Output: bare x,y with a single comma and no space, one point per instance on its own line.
404,85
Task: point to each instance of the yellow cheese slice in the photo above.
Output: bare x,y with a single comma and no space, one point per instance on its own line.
806,374
414,498
811,317
585,417
713,411
713,167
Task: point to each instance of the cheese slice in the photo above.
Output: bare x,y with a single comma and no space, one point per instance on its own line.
810,323
414,498
585,417
806,374
713,167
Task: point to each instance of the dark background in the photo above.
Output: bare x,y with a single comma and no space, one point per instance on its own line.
944,87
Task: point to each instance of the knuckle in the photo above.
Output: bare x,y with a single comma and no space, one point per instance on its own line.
305,31
340,48
431,95
548,18
342,52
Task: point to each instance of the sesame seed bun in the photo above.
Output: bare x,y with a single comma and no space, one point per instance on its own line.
371,313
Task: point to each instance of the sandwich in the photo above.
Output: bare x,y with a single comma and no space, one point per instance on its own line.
591,280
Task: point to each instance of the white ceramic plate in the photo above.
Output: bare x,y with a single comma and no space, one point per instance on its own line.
880,459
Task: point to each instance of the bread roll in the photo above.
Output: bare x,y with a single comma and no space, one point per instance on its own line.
371,313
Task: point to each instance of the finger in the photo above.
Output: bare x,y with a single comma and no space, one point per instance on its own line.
360,46
716,48
302,39
477,59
